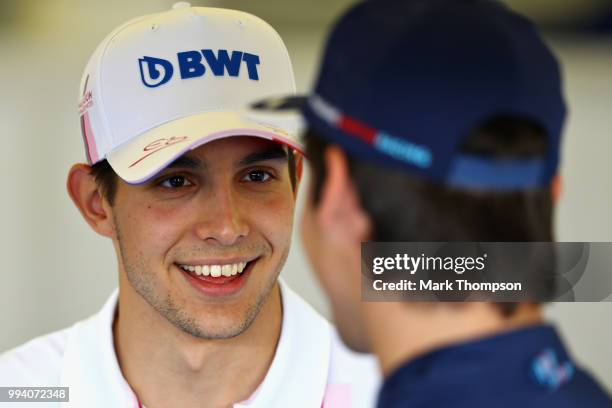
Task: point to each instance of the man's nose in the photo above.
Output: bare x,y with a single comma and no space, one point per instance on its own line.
222,218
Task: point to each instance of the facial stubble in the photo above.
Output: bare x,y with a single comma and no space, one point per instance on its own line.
141,279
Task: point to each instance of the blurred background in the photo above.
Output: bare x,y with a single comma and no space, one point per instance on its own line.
56,270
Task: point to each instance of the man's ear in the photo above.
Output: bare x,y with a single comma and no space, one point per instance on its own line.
85,194
339,211
556,188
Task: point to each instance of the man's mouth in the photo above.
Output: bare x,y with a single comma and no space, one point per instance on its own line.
215,270
218,279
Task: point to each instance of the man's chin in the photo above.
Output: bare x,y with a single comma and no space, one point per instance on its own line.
358,345
216,323
220,321
215,333
352,336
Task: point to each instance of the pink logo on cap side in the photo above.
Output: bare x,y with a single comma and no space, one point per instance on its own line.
90,141
86,102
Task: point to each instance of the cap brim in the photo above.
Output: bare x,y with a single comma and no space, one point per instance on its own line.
288,103
140,159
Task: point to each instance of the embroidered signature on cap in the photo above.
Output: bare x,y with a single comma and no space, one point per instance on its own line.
158,145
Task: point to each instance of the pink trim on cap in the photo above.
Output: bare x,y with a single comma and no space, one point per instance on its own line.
90,140
264,134
269,135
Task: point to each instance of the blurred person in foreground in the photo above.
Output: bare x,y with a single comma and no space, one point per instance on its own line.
197,197
439,120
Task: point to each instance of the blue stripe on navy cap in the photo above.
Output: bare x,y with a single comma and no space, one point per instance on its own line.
478,173
404,150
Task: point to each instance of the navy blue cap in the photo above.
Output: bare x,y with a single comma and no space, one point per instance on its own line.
403,82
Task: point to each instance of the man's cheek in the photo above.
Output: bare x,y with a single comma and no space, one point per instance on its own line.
277,228
149,239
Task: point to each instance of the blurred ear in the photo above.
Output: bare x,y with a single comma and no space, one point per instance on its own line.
556,188
299,168
85,194
339,211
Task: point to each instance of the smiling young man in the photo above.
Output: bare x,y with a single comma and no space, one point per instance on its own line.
197,196
437,121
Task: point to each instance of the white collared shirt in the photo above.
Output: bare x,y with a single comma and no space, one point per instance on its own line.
311,367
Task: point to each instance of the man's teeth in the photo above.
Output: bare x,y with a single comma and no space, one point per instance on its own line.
215,270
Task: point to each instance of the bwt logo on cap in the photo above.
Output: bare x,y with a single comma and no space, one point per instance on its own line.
147,77
155,72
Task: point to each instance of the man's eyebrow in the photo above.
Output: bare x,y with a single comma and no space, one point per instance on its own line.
186,162
274,153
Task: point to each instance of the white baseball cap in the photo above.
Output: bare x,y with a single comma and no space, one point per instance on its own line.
165,83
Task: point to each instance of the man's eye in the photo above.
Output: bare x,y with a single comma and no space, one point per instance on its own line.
258,176
175,182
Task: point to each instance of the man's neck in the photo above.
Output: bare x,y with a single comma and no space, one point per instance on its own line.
167,367
400,332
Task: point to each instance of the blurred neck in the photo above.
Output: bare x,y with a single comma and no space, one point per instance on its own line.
400,332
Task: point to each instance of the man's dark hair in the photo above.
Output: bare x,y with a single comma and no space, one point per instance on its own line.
405,207
107,179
